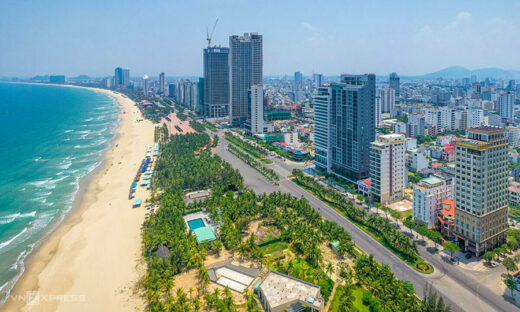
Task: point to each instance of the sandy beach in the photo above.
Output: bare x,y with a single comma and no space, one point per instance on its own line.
91,261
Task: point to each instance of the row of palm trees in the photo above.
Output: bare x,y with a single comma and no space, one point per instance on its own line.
380,226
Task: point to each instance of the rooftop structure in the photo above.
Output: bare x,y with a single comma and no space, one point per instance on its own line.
204,234
279,291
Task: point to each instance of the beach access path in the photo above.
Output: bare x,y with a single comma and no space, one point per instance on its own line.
175,122
92,261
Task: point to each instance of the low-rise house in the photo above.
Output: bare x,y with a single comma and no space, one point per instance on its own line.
364,187
446,219
514,193
417,160
428,195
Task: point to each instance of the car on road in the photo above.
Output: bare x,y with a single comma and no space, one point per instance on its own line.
493,264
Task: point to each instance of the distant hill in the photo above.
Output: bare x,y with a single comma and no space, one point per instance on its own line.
458,72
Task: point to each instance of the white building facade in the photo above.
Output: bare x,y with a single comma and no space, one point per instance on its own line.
388,173
428,195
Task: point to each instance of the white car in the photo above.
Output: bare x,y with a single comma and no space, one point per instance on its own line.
493,264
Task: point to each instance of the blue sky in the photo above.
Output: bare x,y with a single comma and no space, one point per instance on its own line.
332,37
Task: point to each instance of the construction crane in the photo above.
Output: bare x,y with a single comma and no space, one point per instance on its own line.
209,35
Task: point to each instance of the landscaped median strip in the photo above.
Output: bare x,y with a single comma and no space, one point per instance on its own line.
380,229
269,173
256,152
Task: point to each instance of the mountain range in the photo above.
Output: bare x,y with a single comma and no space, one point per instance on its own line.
458,72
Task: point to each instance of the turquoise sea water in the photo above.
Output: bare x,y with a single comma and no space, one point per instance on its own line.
51,138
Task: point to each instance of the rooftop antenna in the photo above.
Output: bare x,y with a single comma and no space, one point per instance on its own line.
209,35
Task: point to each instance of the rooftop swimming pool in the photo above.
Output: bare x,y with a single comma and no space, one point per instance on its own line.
196,223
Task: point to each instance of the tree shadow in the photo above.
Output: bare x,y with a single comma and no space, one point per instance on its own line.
432,250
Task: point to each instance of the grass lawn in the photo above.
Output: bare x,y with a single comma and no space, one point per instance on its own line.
276,246
406,214
358,302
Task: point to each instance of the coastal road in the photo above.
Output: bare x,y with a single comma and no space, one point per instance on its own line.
459,288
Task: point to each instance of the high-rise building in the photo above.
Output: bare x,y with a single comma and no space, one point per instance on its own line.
108,82
200,92
216,82
322,143
172,90
394,83
145,85
481,200
245,70
505,105
162,83
387,100
388,173
317,79
255,125
345,126
378,110
428,195
511,85
471,118
298,80
121,77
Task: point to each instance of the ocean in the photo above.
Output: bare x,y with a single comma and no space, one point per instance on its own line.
51,139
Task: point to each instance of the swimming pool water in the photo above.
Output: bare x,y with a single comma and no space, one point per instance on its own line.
195,224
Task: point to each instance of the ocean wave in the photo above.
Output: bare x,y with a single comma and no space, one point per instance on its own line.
18,261
7,243
3,286
37,159
69,130
77,146
65,164
89,119
10,218
48,183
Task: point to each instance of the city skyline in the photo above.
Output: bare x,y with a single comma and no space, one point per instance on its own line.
406,37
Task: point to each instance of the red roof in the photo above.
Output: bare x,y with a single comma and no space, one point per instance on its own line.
449,150
436,165
367,182
450,210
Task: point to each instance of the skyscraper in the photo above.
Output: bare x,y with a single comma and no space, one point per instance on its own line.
388,173
482,198
246,69
345,126
394,83
162,83
505,105
318,80
387,100
216,82
121,77
145,85
298,80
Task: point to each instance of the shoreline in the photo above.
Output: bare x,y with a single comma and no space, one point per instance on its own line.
63,245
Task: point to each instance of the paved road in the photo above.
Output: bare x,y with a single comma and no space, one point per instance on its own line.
459,288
